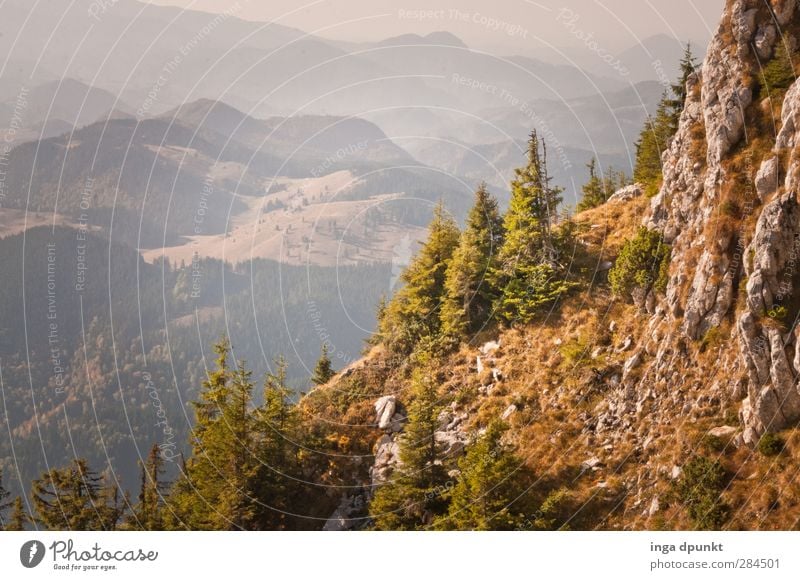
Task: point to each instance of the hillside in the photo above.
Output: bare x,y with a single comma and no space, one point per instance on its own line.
629,409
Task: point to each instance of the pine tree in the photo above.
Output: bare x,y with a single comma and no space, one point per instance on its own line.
653,141
19,517
215,492
416,492
528,273
688,65
487,495
148,512
594,192
323,371
279,466
414,312
469,295
74,498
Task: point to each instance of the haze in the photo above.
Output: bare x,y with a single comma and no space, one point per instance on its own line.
518,25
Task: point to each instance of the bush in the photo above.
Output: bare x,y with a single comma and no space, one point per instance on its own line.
699,488
779,74
643,263
770,445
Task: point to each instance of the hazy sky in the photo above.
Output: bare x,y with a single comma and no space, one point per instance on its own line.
486,24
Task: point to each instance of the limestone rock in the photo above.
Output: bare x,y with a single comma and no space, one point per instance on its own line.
626,193
385,408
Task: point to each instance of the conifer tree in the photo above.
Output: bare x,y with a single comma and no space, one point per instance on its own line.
688,65
653,141
148,512
594,193
215,492
279,467
323,371
528,274
18,518
4,505
416,491
74,498
487,495
469,294
414,312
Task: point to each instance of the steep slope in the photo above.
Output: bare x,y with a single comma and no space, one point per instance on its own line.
668,410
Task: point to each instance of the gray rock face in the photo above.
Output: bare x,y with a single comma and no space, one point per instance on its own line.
767,178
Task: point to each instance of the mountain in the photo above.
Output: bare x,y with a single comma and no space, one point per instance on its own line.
207,170
54,108
655,58
631,406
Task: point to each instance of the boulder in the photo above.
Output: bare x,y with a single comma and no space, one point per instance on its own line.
626,194
384,409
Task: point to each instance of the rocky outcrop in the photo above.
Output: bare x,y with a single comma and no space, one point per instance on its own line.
711,259
626,193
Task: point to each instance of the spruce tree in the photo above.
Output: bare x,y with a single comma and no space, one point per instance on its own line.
323,371
18,518
469,294
148,512
487,495
74,498
653,141
4,505
688,65
594,192
215,492
416,491
414,312
528,275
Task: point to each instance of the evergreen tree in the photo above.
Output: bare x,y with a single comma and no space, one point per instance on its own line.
687,67
653,141
488,488
74,498
278,470
19,517
527,275
323,371
469,295
215,492
414,312
594,192
416,492
148,512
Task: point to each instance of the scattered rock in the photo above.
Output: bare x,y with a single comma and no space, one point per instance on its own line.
385,408
723,432
510,410
490,347
627,193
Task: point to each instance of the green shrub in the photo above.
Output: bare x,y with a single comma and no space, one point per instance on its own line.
779,75
699,488
643,263
770,445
